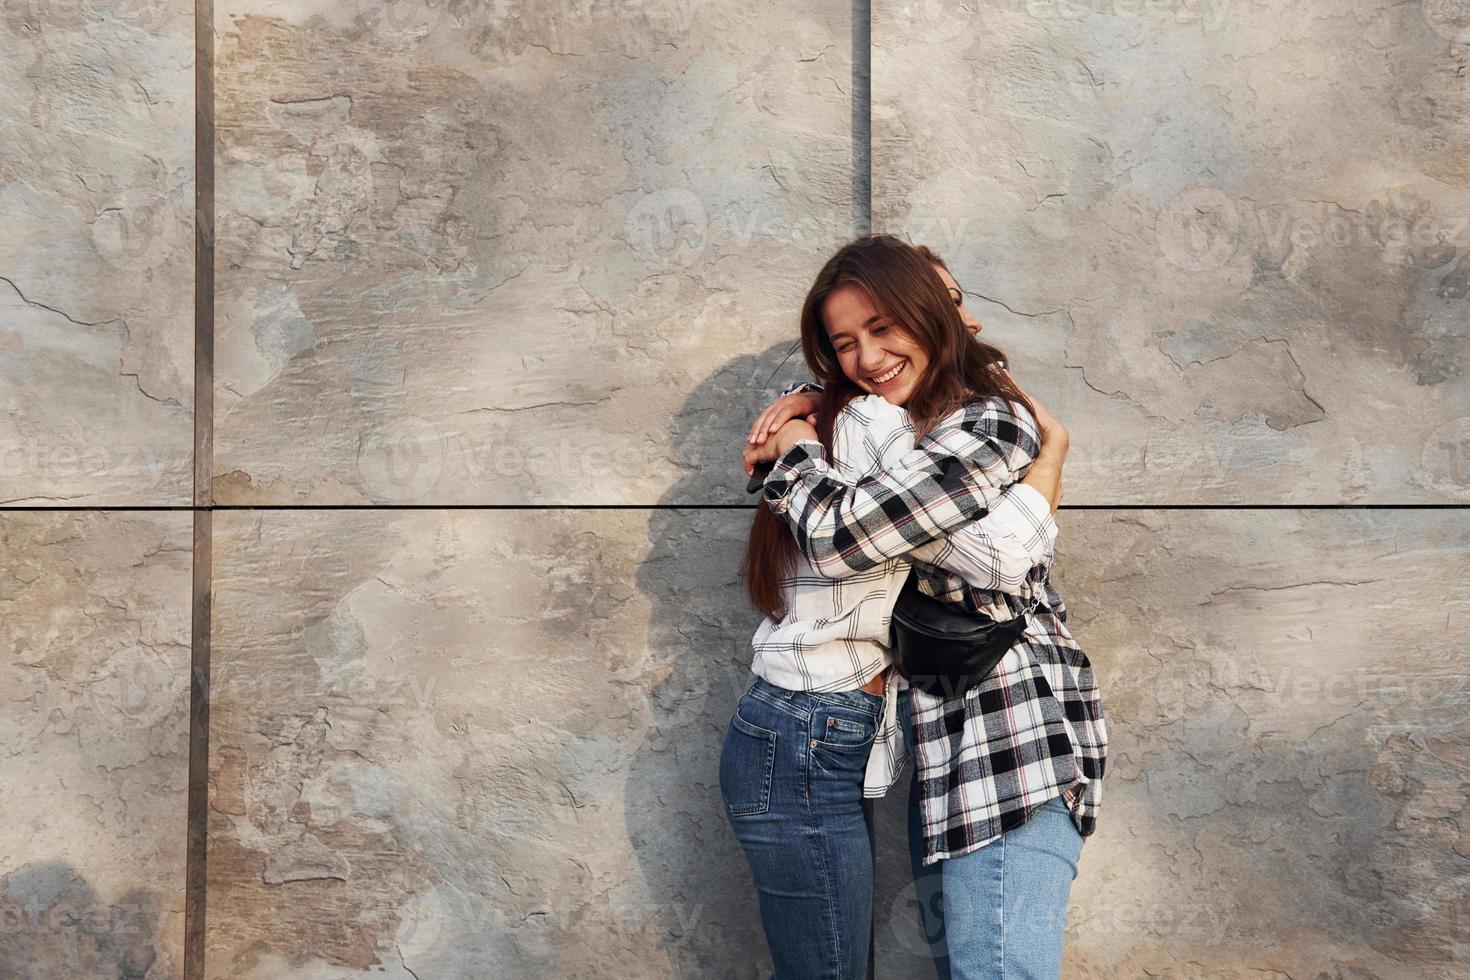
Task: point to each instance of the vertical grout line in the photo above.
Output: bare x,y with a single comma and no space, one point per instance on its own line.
203,253
195,865
862,224
197,814
862,118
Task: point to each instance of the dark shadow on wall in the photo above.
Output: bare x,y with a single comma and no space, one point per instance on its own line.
55,925
699,633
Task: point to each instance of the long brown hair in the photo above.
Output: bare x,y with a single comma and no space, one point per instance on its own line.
903,284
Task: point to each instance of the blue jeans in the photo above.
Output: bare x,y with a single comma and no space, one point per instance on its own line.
791,775
998,912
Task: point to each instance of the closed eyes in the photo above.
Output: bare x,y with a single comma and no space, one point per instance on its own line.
880,328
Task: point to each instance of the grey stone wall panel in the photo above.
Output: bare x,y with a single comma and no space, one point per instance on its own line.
94,625
481,252
475,744
96,252
1291,753
1225,242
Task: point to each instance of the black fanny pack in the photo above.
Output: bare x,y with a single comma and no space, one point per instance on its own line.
944,651
937,648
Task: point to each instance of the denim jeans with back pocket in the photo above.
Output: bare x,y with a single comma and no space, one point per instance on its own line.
791,775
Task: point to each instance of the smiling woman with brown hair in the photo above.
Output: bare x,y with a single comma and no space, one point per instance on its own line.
1016,758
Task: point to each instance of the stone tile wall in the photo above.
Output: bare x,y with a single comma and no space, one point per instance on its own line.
551,256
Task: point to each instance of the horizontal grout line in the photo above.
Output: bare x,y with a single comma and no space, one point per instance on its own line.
305,507
1264,507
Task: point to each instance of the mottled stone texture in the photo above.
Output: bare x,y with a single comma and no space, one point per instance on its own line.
480,744
501,251
96,252
475,744
1226,241
94,625
482,251
1286,693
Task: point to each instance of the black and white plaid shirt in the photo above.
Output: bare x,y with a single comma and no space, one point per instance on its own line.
833,634
987,758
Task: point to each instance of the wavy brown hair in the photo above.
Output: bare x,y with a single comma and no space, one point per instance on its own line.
904,285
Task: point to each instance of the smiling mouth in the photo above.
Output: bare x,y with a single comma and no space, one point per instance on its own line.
892,375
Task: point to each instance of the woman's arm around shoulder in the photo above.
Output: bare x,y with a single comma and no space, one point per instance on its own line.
954,475
998,552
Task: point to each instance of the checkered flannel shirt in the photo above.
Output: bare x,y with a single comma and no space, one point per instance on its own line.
986,759
833,634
